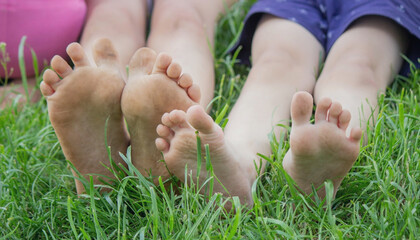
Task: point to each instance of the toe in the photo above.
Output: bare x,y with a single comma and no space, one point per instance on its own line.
77,55
174,70
60,66
334,112
142,61
164,132
179,118
46,89
344,119
200,120
162,63
301,108
194,93
356,134
322,107
162,145
185,81
104,53
167,121
50,78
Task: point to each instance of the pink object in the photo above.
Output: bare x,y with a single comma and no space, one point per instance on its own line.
49,25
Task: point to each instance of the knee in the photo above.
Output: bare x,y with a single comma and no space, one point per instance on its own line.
286,59
352,70
289,64
177,15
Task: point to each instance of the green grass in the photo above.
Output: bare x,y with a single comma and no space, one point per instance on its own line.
379,199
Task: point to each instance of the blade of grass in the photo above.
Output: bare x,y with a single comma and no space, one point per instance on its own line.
22,67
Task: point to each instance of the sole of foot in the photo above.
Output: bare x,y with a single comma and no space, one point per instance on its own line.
84,105
178,143
322,150
155,85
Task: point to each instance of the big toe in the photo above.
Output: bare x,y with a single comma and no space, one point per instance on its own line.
142,61
104,53
200,120
301,108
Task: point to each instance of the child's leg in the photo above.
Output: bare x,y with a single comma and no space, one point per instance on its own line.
185,29
362,63
280,69
123,22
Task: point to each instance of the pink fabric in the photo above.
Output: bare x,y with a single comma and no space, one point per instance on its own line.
50,25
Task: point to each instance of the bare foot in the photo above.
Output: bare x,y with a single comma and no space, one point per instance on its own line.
155,85
80,104
178,143
322,150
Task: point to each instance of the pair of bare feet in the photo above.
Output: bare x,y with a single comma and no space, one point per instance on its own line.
88,105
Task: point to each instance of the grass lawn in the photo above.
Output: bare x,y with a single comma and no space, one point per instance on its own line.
379,199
